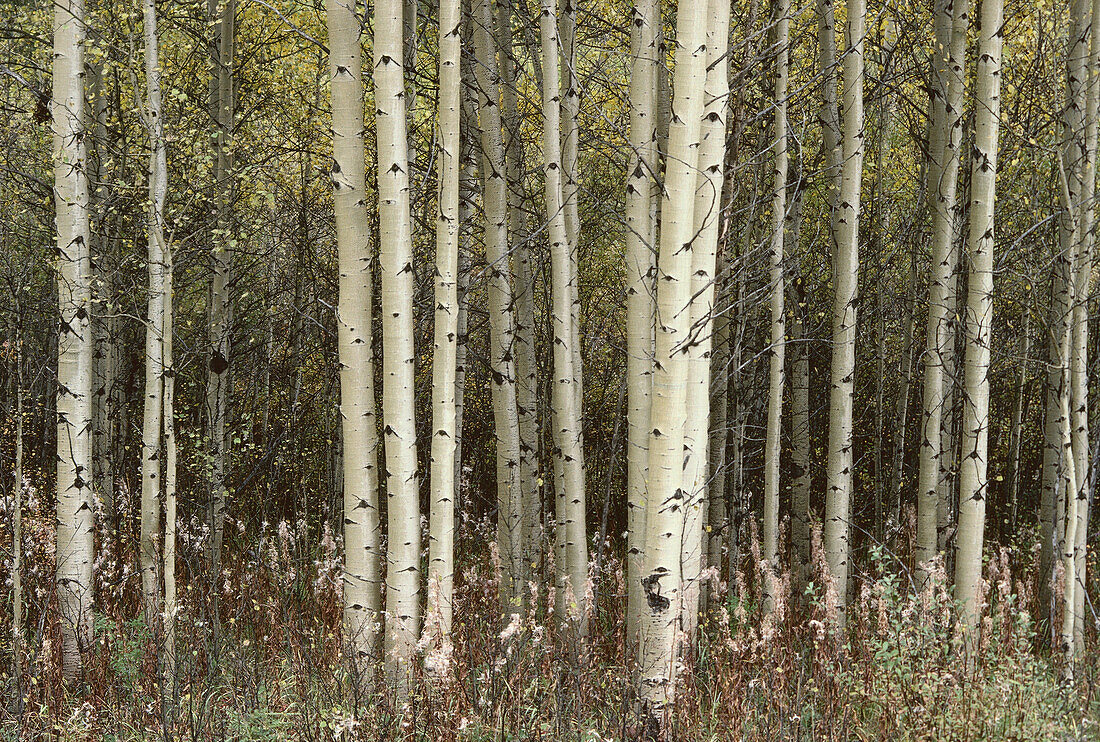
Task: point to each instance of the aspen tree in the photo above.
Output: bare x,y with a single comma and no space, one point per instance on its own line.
526,369
75,532
640,265
362,556
973,476
155,368
572,538
223,105
845,283
17,514
1083,271
1064,353
666,498
829,118
777,347
707,212
801,479
947,70
716,513
445,357
570,113
398,360
502,328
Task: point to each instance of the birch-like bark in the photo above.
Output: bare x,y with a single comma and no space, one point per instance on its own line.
1083,271
974,455
362,532
440,607
168,397
945,137
526,367
640,266
839,468
778,325
572,538
501,325
223,109
398,360
704,250
155,368
666,497
75,527
829,118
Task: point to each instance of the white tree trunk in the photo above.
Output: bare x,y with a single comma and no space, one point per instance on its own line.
666,498
777,347
707,213
362,556
842,374
572,561
501,325
640,265
398,360
974,458
439,613
945,137
75,527
155,368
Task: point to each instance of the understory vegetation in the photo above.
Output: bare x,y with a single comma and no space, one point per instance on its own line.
278,670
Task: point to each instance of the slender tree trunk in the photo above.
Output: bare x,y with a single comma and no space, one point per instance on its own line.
444,358
17,520
666,498
572,539
170,609
524,297
1079,360
974,458
839,475
155,368
502,329
640,266
778,325
830,113
801,477
905,385
717,517
398,359
1015,437
707,216
75,347
945,136
359,426
223,106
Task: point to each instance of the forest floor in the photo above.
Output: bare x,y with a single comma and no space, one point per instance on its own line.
278,671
